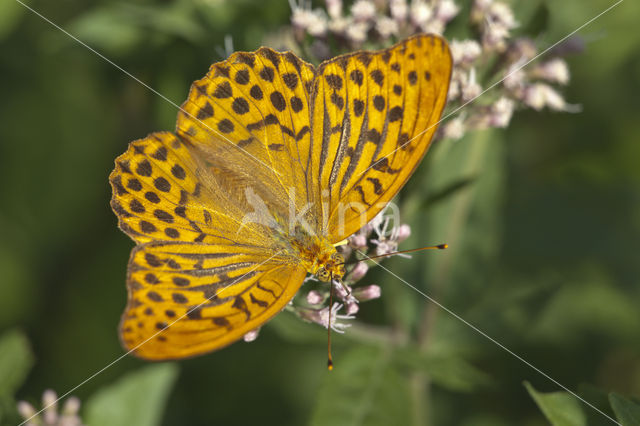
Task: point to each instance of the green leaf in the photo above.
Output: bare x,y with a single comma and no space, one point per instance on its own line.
363,389
122,27
599,398
16,360
627,412
10,14
136,399
536,18
447,371
107,29
560,408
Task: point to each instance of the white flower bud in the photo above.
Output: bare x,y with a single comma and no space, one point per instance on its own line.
314,22
363,10
497,23
472,89
539,95
357,32
515,77
454,128
494,38
535,96
465,51
399,10
555,71
556,102
386,27
433,27
447,10
334,7
420,13
501,112
339,25
251,336
499,13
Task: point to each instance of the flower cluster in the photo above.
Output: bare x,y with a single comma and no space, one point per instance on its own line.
50,416
493,55
369,20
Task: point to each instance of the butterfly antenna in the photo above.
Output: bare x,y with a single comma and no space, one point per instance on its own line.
329,359
438,247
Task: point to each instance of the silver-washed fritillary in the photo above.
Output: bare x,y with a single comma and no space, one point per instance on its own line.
308,154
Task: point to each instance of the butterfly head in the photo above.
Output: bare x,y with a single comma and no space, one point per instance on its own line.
331,269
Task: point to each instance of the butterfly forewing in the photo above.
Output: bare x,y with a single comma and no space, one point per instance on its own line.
374,114
158,194
250,115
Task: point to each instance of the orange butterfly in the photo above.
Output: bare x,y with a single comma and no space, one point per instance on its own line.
272,163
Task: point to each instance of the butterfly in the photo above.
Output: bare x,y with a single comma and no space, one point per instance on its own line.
273,162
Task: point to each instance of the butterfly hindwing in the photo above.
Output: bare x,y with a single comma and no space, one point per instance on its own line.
188,299
374,114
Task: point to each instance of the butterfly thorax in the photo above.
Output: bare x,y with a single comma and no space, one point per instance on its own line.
316,254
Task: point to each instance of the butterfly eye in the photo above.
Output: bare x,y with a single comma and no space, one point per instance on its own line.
323,274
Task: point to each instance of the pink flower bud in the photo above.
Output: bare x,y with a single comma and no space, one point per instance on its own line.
369,292
315,297
71,406
359,271
352,308
26,410
385,247
403,232
342,291
49,402
358,241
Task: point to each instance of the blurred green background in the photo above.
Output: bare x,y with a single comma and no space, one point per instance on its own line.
544,239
